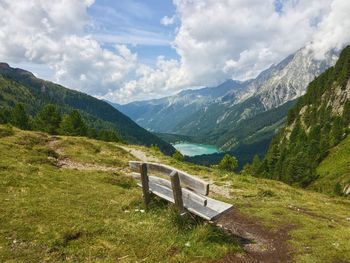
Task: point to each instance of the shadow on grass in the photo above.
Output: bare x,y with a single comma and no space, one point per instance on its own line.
121,181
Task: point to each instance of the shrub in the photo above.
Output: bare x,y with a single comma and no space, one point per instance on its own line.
178,156
5,115
48,119
19,117
73,124
155,148
108,136
228,163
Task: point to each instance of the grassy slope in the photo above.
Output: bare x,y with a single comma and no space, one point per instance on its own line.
53,214
334,169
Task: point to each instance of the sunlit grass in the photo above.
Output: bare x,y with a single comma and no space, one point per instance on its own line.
52,214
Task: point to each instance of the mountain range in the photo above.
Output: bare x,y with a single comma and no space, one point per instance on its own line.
235,114
21,86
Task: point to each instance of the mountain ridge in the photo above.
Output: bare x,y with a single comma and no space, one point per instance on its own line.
35,92
214,119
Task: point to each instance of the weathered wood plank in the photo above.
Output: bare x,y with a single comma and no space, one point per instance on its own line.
197,185
193,201
186,193
177,192
206,212
145,185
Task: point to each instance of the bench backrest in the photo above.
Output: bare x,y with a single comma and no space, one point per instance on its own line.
186,180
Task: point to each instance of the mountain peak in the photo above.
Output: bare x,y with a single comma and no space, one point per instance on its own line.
6,69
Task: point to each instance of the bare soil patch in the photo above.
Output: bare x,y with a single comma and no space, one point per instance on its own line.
65,162
140,155
260,244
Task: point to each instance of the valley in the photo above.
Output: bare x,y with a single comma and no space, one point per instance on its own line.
191,149
235,115
175,131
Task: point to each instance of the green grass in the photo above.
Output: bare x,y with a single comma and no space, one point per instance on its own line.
335,169
50,214
92,151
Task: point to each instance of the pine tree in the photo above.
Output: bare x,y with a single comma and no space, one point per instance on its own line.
19,117
48,119
228,163
337,130
73,124
108,136
5,115
256,164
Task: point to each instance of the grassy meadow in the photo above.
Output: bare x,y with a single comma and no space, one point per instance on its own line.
50,213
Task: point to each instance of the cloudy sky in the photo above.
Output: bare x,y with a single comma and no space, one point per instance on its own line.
129,50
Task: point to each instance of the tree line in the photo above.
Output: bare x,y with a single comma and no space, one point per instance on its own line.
52,121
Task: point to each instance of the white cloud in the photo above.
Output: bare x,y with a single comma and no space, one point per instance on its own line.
52,33
238,39
334,29
215,40
168,20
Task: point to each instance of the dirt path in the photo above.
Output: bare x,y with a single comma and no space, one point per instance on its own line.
140,154
65,162
260,244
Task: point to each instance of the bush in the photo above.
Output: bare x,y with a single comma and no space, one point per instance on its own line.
178,156
73,124
228,163
48,119
19,117
108,136
5,115
155,148
6,131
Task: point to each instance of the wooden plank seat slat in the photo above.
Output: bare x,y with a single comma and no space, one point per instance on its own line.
189,181
194,202
185,192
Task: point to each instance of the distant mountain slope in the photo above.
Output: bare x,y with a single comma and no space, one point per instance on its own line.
17,85
163,115
288,79
273,88
318,122
231,115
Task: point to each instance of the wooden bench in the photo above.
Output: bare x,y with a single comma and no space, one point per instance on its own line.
185,191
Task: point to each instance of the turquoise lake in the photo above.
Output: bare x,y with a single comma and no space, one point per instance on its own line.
192,149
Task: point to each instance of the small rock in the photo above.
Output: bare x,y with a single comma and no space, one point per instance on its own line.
126,211
142,211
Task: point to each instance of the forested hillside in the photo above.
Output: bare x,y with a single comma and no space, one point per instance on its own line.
319,121
20,86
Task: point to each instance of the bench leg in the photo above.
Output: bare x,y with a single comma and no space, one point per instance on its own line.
145,185
177,192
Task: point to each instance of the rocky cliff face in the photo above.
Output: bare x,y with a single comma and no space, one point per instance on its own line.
318,122
289,79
